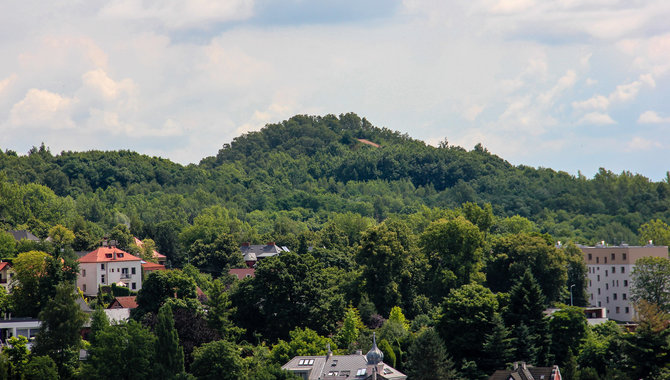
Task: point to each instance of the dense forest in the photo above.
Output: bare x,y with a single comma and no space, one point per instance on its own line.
443,252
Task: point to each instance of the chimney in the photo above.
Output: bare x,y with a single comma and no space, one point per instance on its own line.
246,244
359,352
104,243
271,243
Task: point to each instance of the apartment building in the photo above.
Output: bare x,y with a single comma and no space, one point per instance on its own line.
609,276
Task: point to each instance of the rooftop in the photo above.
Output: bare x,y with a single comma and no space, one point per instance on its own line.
107,254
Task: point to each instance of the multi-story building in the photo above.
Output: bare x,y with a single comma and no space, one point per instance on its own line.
609,276
107,265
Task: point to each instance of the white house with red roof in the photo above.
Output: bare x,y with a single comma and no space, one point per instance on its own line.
6,274
107,265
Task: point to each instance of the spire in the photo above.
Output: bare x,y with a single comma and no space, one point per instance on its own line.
375,355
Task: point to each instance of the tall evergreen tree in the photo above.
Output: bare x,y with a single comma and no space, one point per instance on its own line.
428,359
169,355
498,346
59,336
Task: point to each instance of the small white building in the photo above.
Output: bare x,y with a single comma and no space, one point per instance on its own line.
106,266
609,276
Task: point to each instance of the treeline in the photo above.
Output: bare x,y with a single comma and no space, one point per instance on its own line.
307,169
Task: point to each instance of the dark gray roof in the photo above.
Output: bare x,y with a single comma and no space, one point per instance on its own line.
252,252
341,367
23,234
525,372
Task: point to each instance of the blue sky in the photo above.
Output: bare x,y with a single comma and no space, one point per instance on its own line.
566,84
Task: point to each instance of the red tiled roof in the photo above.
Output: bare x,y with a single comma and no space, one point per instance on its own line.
107,254
155,254
5,265
153,266
127,302
242,273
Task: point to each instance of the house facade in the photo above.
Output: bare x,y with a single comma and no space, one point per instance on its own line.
6,274
109,265
252,253
609,276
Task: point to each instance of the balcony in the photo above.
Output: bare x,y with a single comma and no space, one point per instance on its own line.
125,276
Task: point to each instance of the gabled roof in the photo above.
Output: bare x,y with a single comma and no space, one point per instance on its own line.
127,302
155,253
251,252
152,266
23,234
5,265
107,254
242,273
354,366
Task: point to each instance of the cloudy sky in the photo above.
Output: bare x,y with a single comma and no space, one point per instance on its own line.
567,84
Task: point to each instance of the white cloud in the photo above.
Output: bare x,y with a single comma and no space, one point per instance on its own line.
99,83
597,102
5,83
651,117
472,112
596,118
177,14
642,144
565,82
42,109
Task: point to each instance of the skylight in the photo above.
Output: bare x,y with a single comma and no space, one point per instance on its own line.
361,372
306,362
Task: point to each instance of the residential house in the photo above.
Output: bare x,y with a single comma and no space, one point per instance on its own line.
6,274
148,268
24,234
252,253
242,273
609,276
10,327
343,367
160,258
126,302
107,265
522,371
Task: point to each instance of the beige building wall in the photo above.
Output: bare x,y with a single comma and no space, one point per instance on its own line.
609,276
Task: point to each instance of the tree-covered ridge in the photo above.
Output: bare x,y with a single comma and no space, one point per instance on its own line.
308,167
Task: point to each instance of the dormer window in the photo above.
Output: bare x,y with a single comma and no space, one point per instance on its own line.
119,255
306,362
108,255
360,372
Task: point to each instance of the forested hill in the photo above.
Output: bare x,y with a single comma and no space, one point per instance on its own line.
307,169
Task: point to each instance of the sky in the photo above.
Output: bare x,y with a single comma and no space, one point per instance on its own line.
564,84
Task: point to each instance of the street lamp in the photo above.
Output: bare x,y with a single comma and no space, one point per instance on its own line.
571,286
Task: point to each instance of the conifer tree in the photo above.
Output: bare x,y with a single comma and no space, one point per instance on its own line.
169,354
428,358
497,347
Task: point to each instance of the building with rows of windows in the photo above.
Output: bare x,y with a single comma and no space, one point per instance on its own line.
609,276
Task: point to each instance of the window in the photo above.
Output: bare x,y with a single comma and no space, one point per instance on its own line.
597,260
133,286
112,270
627,309
589,282
600,304
618,310
607,299
119,254
132,270
623,256
360,372
605,259
102,279
614,297
613,269
83,273
590,257
612,256
108,255
333,373
617,282
612,282
598,291
625,283
306,362
334,363
607,286
623,269
124,272
102,266
605,272
83,287
623,296
598,277
591,295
